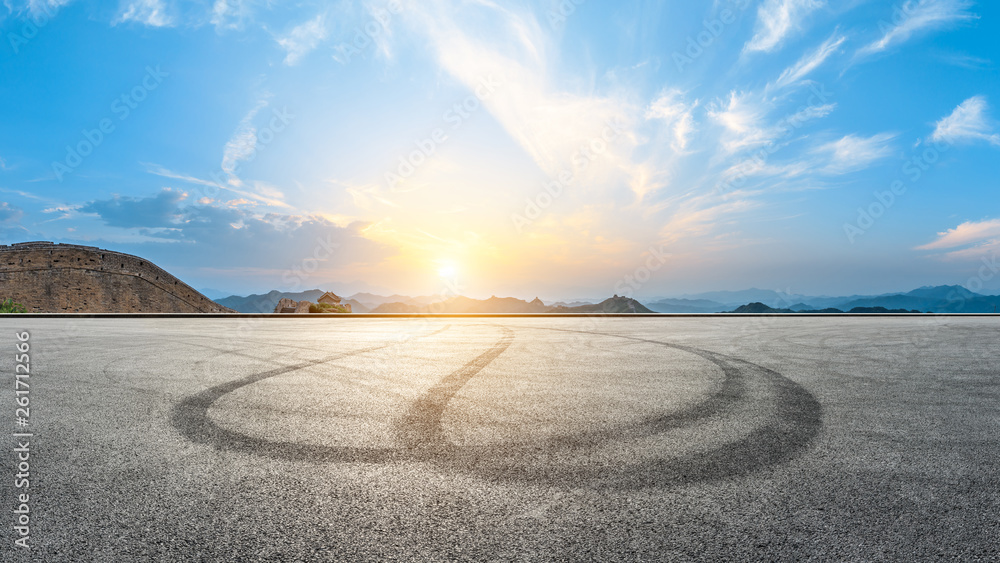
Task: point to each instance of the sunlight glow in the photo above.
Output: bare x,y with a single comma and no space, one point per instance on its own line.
446,269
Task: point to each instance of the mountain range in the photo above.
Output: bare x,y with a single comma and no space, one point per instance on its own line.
367,302
937,299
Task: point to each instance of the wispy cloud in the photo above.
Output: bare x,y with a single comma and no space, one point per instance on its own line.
512,61
969,241
148,12
969,122
9,213
743,120
913,17
852,152
676,114
160,171
810,62
968,233
303,39
229,14
242,145
35,8
777,19
965,61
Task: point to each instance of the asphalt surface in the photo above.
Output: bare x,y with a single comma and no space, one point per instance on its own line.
745,439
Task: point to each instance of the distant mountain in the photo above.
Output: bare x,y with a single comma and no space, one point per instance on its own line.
426,299
614,304
265,303
753,295
512,305
759,308
939,299
371,300
686,306
950,292
570,304
467,305
880,310
213,294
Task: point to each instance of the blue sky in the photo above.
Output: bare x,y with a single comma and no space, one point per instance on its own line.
554,148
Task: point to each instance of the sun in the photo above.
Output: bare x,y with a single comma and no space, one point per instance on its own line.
446,269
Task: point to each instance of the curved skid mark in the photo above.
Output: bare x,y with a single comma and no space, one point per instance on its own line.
795,421
191,418
421,427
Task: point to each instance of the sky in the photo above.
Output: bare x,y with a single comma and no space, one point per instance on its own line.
556,148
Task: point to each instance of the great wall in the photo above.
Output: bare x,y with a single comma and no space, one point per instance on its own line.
68,278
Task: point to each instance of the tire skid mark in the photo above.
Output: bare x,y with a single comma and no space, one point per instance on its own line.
788,431
191,418
421,426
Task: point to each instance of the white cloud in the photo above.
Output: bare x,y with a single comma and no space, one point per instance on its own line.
47,7
968,122
510,62
677,115
160,171
912,17
229,14
147,12
777,19
303,39
966,234
852,152
809,62
744,122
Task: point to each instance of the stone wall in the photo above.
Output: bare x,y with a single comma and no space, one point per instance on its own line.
67,278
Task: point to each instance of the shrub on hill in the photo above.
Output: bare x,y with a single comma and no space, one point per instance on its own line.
327,308
9,306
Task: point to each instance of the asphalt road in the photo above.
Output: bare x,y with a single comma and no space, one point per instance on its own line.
745,439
